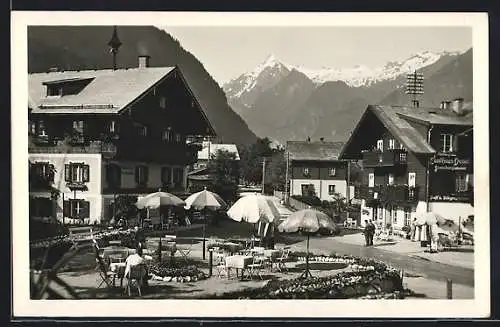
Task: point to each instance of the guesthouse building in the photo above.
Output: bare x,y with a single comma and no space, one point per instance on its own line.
315,169
95,135
415,160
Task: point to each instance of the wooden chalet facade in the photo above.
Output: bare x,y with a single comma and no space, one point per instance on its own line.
315,169
414,160
106,133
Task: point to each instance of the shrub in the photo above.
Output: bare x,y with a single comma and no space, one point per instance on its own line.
311,200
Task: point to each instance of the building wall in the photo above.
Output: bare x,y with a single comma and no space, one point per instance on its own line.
319,170
321,187
93,194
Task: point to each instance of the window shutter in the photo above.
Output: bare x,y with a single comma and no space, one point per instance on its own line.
67,173
85,209
137,174
146,174
455,142
86,173
66,209
51,172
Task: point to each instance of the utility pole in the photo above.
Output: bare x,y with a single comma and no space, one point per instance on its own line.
263,173
348,191
286,176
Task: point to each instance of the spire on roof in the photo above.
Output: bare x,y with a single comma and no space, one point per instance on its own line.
114,44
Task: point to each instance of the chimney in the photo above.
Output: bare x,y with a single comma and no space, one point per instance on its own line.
144,61
442,105
458,106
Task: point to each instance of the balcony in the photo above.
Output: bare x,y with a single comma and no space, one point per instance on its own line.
388,193
136,150
385,158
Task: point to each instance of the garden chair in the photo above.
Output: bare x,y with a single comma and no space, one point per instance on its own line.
136,277
281,261
107,276
256,267
221,266
185,250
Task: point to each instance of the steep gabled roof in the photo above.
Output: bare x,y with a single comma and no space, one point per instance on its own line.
401,129
313,151
395,119
109,91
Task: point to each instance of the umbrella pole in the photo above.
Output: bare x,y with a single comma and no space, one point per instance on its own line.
204,227
307,272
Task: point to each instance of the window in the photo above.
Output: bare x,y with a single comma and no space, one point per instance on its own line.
461,182
402,157
332,172
55,90
163,102
394,215
76,173
390,179
407,212
401,146
331,189
114,127
141,175
78,126
371,180
166,176
141,130
76,208
43,171
411,179
113,175
380,145
306,172
32,128
177,137
392,144
446,143
41,128
167,134
178,177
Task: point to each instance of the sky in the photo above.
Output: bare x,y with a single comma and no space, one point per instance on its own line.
227,52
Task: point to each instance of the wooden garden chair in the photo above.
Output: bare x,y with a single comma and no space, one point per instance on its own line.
136,278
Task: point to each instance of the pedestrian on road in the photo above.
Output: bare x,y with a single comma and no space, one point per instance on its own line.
371,233
413,229
366,231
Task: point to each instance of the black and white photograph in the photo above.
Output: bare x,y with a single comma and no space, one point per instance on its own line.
222,158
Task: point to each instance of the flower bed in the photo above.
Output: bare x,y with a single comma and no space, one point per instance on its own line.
180,274
368,279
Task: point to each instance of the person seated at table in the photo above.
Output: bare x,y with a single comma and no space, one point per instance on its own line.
134,260
140,238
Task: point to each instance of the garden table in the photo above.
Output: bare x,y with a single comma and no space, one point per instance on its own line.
238,262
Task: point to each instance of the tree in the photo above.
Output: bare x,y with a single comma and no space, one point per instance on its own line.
276,170
225,171
251,160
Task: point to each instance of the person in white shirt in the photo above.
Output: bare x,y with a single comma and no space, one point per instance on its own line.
134,260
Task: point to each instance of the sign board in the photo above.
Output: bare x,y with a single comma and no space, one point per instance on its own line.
450,198
441,162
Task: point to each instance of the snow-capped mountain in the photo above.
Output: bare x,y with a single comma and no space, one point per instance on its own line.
271,70
247,86
361,75
287,102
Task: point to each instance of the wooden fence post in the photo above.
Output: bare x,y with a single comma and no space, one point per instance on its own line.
449,289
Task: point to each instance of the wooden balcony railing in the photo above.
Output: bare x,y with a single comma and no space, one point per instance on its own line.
377,158
387,193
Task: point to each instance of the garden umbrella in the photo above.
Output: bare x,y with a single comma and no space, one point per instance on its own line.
430,218
308,221
254,209
157,199
202,201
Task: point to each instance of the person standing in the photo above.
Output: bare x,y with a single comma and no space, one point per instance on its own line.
366,231
413,229
371,233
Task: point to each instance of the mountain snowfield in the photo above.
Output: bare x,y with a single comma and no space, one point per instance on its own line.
357,76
